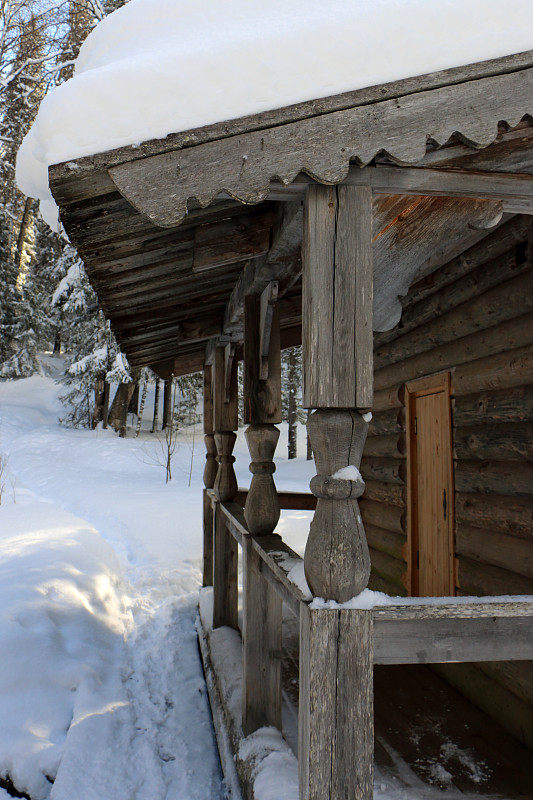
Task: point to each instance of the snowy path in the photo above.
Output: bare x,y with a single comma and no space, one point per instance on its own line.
102,688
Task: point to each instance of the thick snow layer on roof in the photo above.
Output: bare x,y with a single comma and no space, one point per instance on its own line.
156,67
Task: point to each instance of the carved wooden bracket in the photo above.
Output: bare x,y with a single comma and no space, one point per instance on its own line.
229,355
269,297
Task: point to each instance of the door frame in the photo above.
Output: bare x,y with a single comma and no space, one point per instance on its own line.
413,389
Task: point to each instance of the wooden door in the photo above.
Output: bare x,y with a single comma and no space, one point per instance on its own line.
430,487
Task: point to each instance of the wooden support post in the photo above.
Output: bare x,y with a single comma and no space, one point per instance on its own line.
337,338
336,720
210,473
225,422
262,607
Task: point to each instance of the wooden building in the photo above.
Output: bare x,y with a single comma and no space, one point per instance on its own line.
388,230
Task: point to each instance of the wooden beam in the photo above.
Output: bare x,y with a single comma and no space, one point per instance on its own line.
430,634
231,241
515,190
337,298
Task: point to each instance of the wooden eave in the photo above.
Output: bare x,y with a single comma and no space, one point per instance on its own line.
175,232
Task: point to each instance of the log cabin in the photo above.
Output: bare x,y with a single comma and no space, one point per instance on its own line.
388,230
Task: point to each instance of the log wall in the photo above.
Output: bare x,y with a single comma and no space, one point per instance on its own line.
473,317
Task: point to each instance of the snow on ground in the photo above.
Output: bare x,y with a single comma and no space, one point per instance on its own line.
101,689
155,67
101,685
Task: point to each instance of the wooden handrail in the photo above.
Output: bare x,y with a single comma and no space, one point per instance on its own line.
293,501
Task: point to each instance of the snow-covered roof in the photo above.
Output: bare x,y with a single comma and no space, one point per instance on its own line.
156,67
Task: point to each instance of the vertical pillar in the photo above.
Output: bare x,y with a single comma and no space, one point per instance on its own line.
336,712
210,473
338,380
262,607
225,422
336,720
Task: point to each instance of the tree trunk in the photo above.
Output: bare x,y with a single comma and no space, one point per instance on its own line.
156,405
141,409
167,404
99,395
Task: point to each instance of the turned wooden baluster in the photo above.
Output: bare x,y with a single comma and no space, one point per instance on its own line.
336,644
210,473
261,696
225,416
337,563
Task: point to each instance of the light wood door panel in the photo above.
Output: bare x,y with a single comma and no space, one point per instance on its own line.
430,488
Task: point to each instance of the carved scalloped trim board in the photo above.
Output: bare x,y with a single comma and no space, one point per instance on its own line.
323,146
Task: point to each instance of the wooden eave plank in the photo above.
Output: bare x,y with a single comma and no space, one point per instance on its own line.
65,180
324,146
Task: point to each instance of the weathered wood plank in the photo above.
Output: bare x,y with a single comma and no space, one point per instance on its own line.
412,636
261,655
335,731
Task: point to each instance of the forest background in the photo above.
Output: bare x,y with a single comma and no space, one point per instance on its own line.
46,301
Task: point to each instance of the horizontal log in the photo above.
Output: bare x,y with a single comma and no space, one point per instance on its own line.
386,542
476,578
501,477
296,501
386,470
503,405
386,446
383,515
385,493
512,515
379,584
387,399
504,301
498,549
391,569
466,289
509,369
496,244
504,442
514,676
387,422
406,638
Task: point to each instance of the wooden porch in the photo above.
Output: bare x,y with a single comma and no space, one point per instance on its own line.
218,245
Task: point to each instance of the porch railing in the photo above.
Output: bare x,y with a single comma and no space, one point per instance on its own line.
339,646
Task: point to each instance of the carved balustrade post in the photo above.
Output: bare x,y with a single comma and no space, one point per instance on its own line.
336,645
225,422
261,695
